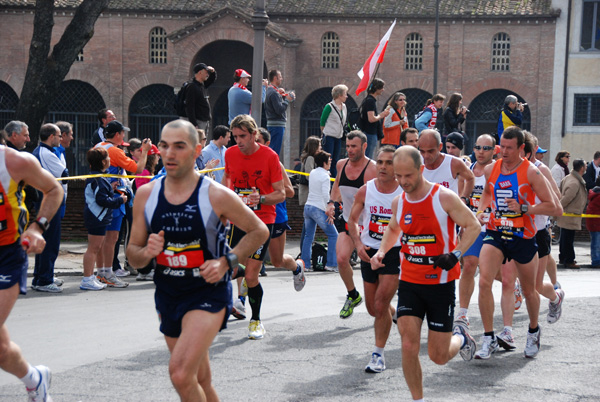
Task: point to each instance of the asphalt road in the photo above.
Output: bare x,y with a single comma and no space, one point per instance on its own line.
105,346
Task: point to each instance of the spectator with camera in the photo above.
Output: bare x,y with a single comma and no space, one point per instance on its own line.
511,114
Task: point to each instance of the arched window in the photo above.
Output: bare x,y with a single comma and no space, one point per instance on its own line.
330,50
158,46
501,52
151,108
413,52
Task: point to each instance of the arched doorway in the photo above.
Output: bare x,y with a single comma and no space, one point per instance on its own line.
483,115
78,103
8,104
150,109
225,56
310,114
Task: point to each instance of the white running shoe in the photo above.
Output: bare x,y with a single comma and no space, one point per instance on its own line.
467,350
555,310
331,269
376,365
506,340
532,347
112,281
557,285
49,288
238,310
58,281
256,330
40,393
300,278
462,319
91,284
518,295
121,273
488,346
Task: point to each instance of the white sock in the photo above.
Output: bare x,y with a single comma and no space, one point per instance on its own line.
106,271
555,300
508,328
463,311
379,351
419,400
32,379
90,278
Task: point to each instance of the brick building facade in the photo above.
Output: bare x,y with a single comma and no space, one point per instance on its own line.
116,69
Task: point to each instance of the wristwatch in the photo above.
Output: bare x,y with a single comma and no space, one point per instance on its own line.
457,253
232,260
524,208
42,223
263,199
466,200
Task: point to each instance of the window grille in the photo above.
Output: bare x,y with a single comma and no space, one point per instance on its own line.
330,50
158,46
501,52
413,52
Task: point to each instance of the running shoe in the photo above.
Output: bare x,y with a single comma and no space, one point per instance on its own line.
49,288
300,278
395,316
557,285
238,310
244,288
467,350
518,295
506,340
532,347
40,393
91,284
145,277
112,281
462,319
256,330
121,273
555,310
376,365
488,346
58,281
331,269
349,305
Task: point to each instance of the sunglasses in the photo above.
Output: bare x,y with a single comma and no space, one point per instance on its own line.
484,147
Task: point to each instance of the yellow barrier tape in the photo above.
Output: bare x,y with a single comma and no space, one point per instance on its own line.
304,173
582,215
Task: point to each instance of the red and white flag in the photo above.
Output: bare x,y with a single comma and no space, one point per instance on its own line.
366,73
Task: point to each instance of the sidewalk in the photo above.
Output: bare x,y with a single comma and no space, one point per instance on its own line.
70,259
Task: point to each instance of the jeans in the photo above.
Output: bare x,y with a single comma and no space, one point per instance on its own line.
595,248
43,273
276,138
332,146
371,145
567,251
314,216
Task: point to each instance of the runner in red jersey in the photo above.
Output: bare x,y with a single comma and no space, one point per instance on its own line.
512,184
253,172
425,218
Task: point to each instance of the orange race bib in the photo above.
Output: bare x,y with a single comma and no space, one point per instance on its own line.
181,255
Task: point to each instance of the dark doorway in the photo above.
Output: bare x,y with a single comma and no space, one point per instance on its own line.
150,109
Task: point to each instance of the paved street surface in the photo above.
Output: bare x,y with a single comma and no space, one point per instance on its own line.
105,346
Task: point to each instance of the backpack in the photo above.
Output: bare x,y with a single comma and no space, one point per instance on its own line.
319,256
180,99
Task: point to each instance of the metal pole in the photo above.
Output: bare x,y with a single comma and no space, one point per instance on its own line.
260,19
436,45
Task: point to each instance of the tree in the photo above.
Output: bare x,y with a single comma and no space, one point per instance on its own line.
45,70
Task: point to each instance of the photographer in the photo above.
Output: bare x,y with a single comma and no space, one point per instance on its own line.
454,114
511,114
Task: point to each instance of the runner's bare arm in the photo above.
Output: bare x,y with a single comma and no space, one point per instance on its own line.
287,184
542,190
466,174
355,213
335,190
463,217
142,247
486,196
25,167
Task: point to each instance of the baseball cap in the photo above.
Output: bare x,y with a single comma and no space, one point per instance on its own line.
541,150
154,150
241,73
456,139
200,66
115,126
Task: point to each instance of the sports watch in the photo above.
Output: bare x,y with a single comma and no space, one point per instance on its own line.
42,223
524,208
232,260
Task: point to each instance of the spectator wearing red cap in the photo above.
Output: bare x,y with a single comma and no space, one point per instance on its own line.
239,97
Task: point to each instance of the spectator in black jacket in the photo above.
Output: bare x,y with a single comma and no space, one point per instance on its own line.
105,116
592,172
197,106
455,113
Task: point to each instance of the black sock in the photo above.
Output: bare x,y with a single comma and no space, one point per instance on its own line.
491,333
353,294
255,295
534,330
